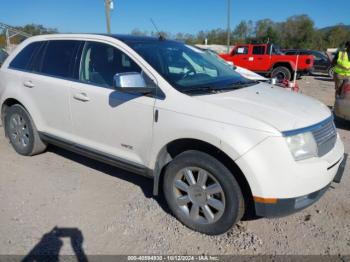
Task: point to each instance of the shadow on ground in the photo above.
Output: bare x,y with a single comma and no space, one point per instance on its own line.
145,184
49,247
327,79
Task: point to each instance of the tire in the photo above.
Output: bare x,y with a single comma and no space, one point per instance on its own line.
331,72
281,73
210,206
22,132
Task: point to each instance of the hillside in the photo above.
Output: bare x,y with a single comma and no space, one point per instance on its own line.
328,28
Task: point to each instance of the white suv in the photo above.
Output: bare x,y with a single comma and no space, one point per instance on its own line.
216,143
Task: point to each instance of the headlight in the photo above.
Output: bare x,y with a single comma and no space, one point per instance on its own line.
302,146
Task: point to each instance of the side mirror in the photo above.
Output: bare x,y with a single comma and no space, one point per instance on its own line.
131,82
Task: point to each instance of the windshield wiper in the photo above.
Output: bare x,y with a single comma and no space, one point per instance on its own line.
215,90
202,89
238,85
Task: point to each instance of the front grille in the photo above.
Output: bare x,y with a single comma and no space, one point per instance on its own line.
326,137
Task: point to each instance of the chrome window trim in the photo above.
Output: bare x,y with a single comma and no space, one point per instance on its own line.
307,129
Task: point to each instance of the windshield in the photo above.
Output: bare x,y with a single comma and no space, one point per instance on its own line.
189,69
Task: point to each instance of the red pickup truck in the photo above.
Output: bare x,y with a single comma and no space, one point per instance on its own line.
267,59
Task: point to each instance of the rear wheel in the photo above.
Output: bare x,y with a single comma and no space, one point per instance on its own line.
22,133
202,193
331,72
281,73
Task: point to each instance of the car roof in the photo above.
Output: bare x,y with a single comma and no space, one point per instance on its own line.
124,38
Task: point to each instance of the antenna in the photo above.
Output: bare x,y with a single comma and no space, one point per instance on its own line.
161,37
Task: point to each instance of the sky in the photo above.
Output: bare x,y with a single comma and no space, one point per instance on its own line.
188,16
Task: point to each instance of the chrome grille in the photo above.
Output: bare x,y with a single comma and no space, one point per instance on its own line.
326,137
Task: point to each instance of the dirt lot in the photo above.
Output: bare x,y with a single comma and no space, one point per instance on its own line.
109,211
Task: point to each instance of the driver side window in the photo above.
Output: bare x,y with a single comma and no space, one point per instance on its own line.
100,62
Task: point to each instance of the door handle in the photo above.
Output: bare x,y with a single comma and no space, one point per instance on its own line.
28,84
81,97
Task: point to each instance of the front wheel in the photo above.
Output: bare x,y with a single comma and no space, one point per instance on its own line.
202,193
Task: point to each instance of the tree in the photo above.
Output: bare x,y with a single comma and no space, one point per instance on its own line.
337,36
298,32
138,32
262,27
34,29
31,29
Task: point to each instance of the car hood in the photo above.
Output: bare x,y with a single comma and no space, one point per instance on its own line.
282,109
249,74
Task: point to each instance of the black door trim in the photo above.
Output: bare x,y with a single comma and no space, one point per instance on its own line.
97,155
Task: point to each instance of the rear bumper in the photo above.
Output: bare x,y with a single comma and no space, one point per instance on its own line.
305,71
284,207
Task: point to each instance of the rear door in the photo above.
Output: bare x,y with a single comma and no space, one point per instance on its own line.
47,85
261,60
105,120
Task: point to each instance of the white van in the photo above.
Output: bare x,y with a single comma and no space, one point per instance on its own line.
216,143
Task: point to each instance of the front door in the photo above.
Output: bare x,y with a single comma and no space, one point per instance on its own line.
242,57
104,119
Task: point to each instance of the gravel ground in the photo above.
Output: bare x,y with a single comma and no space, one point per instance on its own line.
62,202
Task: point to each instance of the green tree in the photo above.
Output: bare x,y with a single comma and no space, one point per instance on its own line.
138,32
262,27
298,32
337,36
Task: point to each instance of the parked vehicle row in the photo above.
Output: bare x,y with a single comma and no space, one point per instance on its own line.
240,70
215,143
268,59
322,62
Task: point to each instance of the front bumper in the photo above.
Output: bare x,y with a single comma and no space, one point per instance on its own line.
272,172
284,207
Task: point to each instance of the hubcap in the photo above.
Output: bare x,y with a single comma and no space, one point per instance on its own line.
19,131
199,195
281,76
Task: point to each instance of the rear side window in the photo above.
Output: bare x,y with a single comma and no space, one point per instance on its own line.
59,58
258,50
23,58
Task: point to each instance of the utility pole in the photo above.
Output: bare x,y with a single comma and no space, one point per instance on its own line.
108,8
228,26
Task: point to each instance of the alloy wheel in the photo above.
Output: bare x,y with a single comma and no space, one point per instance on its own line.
19,131
199,195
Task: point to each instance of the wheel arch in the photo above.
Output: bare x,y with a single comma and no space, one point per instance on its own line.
176,147
284,64
7,104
